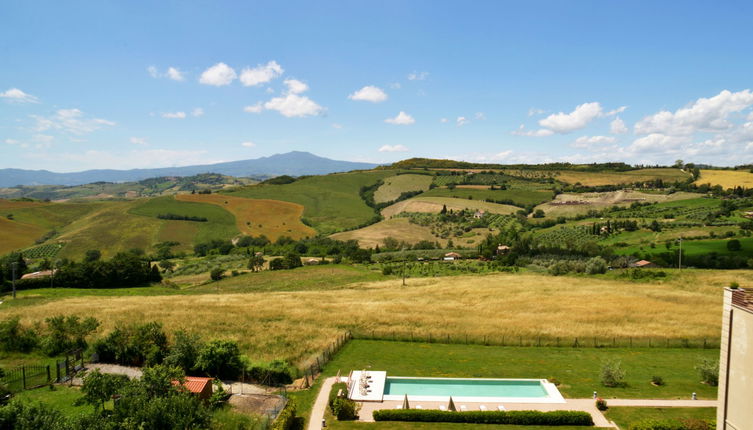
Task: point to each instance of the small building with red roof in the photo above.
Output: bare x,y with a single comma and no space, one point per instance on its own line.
202,387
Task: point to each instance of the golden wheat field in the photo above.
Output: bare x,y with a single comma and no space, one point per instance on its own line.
297,324
16,235
726,178
254,217
396,228
434,205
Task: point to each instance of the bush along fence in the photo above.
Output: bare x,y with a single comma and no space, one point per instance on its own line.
28,377
316,365
552,418
538,341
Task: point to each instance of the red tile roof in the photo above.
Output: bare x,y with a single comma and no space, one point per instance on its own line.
196,384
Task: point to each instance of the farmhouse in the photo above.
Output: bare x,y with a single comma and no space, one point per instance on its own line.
479,214
40,274
202,387
502,249
643,264
451,256
735,373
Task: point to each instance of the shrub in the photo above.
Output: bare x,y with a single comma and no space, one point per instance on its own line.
596,265
612,374
220,359
333,393
681,424
558,418
15,337
387,270
734,245
657,380
287,420
67,333
344,409
734,285
133,345
275,372
709,371
216,273
185,351
601,404
219,395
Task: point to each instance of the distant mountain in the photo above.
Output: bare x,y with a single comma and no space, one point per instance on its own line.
294,163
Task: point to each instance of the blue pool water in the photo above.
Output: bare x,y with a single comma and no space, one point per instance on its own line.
464,387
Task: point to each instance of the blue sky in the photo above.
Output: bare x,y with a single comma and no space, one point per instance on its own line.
105,84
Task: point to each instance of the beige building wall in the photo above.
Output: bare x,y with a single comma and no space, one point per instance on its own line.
735,410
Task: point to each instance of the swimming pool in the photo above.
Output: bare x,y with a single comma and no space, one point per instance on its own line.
381,387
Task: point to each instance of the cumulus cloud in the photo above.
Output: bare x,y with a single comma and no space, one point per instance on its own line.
369,93
171,73
417,76
393,148
71,121
521,131
261,74
295,86
174,115
575,120
138,141
257,108
617,126
535,111
293,105
461,121
218,75
402,118
705,114
591,141
197,112
248,144
18,96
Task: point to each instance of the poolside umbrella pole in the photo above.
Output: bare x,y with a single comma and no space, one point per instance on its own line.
405,402
451,406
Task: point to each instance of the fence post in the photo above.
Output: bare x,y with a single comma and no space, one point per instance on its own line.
23,376
49,376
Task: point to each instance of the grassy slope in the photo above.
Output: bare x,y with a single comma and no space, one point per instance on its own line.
298,317
331,202
434,205
623,417
396,185
61,398
598,201
726,178
220,223
610,178
697,247
519,197
254,217
16,235
576,369
398,228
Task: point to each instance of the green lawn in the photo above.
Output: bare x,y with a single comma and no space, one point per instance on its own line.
518,197
577,369
331,203
60,397
623,417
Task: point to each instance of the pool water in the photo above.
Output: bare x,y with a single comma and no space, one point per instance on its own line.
464,387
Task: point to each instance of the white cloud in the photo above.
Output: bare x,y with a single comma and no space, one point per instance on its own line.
197,112
591,141
18,96
461,121
257,108
443,120
656,142
261,74
337,126
402,118
369,93
521,131
575,120
293,105
11,141
218,75
393,148
417,76
536,111
174,115
395,85
620,109
617,126
295,86
705,114
153,72
480,116
175,74
138,141
70,121
248,144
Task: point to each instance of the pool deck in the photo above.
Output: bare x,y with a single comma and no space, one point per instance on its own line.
586,405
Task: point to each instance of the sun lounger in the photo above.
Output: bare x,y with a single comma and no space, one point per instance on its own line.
399,407
419,407
463,408
483,408
442,407
500,408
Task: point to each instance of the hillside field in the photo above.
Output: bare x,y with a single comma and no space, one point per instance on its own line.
255,217
517,197
726,178
331,203
298,320
395,185
396,228
570,204
15,235
435,204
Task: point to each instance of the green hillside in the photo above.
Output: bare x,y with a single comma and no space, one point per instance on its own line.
332,203
220,223
515,197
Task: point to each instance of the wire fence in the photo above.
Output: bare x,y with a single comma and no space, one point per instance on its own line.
27,377
539,341
315,366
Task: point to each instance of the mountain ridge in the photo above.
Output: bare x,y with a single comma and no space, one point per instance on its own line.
294,163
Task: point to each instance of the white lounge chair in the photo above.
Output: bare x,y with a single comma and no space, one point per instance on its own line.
419,407
463,408
399,407
501,408
442,407
483,408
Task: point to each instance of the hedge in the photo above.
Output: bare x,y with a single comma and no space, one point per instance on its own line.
682,424
553,418
287,419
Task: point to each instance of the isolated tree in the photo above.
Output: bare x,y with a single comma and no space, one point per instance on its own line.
167,265
256,263
92,255
734,245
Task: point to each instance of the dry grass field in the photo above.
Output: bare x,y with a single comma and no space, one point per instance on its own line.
254,217
434,205
605,178
297,324
726,178
574,204
16,235
396,185
397,228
